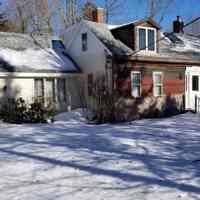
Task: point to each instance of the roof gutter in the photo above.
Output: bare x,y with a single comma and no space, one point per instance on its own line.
159,59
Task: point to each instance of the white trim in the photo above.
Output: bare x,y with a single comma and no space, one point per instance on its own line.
154,84
189,93
146,45
135,72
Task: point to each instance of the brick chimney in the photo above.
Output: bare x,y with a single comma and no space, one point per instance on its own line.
178,25
93,13
99,15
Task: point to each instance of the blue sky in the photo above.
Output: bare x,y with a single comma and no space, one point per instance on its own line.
136,9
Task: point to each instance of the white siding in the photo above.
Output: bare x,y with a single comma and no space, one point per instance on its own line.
24,87
94,59
17,87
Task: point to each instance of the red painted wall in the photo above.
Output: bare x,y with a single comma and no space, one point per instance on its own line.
173,80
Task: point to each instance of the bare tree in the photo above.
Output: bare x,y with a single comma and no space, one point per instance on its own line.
113,8
32,16
194,28
5,22
158,7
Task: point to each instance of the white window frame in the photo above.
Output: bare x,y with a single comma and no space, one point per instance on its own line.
154,84
132,73
138,39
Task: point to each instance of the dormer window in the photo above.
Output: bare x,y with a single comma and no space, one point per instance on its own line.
147,39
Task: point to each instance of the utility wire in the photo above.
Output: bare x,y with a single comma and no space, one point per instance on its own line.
166,35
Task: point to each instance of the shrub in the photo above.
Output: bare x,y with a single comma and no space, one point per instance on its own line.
17,111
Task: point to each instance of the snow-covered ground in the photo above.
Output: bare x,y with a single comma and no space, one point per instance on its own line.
152,159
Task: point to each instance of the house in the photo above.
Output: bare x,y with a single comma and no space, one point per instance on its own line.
38,66
153,73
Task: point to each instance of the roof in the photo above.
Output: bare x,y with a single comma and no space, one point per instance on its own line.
136,22
180,45
177,47
32,53
105,36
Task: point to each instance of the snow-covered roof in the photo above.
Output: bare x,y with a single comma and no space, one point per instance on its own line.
180,45
113,26
135,22
25,53
105,36
172,45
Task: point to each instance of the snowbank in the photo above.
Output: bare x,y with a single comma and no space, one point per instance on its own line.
151,159
78,115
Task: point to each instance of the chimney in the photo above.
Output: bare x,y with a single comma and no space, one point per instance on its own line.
92,13
178,25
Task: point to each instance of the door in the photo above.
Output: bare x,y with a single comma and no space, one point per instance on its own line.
192,87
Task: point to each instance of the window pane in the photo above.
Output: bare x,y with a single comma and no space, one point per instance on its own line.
136,91
158,84
151,40
142,39
195,83
158,90
50,93
39,88
158,79
136,80
84,42
61,90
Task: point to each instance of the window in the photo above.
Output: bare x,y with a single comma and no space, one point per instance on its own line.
158,83
50,90
195,83
39,88
142,39
57,44
151,40
84,42
61,88
136,84
147,39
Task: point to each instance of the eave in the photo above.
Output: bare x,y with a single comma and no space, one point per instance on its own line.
159,59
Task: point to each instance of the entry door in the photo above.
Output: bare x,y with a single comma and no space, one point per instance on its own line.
192,90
